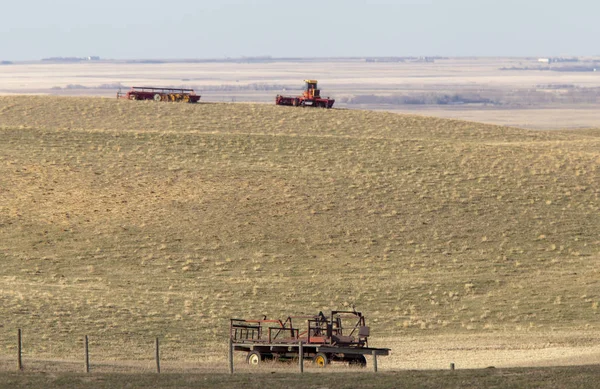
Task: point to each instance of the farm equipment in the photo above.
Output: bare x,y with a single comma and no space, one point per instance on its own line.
160,94
311,97
340,337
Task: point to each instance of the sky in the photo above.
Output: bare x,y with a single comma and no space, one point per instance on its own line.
163,29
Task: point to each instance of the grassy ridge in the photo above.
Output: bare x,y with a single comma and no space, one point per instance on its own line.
127,220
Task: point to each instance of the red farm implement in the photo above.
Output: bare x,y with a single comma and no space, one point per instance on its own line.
311,97
340,337
160,94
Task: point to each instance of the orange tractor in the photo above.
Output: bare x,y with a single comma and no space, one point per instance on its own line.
311,97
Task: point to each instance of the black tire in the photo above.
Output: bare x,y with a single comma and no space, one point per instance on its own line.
358,361
254,358
321,360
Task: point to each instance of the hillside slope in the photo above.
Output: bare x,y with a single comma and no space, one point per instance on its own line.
127,220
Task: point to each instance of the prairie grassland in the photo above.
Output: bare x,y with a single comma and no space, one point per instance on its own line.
128,220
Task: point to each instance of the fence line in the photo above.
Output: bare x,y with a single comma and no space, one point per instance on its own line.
157,355
86,352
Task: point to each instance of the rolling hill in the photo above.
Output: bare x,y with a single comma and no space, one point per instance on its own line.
128,220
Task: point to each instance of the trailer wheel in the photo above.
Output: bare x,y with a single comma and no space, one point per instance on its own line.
254,358
157,97
321,360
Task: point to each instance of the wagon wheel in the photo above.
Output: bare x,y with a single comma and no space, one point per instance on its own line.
132,97
254,358
321,360
157,97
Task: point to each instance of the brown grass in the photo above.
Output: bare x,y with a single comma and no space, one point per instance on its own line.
558,377
129,220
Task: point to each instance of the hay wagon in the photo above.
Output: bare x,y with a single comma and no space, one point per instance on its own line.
160,94
340,337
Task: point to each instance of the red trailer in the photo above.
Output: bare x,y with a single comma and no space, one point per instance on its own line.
311,97
341,336
160,94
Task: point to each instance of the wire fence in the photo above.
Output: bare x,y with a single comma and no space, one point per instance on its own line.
91,359
89,353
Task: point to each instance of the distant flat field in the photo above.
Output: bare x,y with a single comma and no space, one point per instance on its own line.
340,79
532,118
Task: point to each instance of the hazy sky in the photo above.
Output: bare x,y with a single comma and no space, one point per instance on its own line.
122,29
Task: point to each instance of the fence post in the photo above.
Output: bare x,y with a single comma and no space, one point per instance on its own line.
374,361
19,349
230,356
301,357
452,366
157,355
86,354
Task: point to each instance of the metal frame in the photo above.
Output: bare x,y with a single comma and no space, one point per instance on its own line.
317,334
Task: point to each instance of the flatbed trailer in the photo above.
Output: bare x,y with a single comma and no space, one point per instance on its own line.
321,355
160,94
323,339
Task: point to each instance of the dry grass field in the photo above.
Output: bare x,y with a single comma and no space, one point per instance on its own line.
460,241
